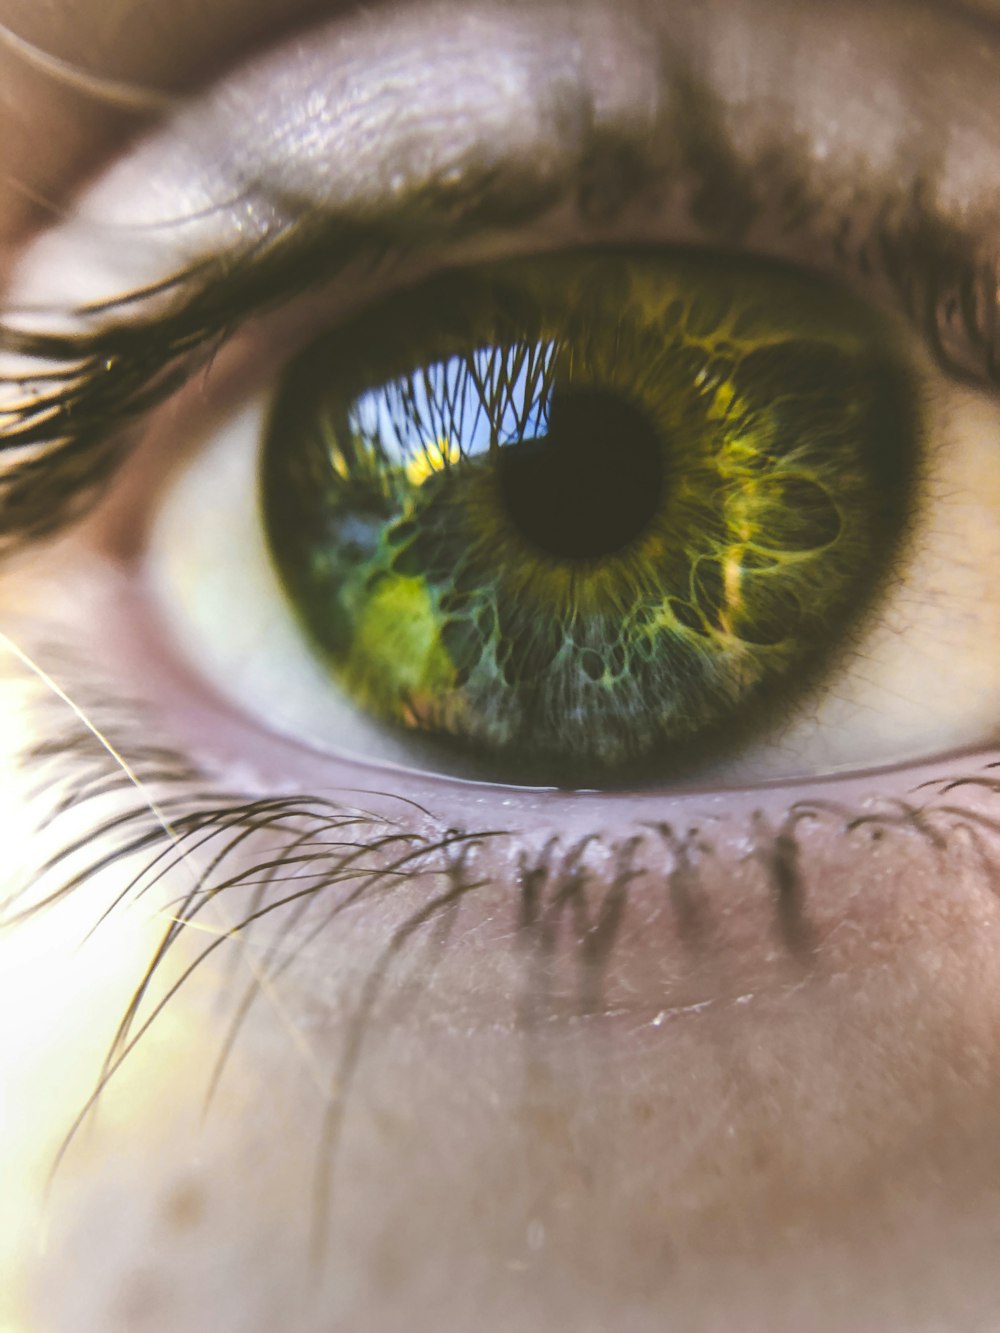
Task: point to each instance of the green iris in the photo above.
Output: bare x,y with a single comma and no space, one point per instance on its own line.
576,512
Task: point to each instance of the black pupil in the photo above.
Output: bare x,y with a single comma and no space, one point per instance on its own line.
592,484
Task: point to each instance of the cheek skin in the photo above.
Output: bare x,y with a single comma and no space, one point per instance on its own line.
740,1132
786,1159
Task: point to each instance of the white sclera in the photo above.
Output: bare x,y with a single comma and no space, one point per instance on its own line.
922,677
211,574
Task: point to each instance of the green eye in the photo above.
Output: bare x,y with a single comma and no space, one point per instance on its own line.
582,512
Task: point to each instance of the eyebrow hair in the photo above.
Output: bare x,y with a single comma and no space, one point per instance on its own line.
64,428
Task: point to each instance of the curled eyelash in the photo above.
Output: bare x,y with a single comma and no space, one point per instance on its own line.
119,806
64,428
65,424
288,853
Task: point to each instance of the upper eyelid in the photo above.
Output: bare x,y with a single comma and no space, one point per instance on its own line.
135,348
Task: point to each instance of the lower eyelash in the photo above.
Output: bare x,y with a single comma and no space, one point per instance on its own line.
315,843
116,802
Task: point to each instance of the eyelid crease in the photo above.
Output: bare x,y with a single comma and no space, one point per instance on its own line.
61,425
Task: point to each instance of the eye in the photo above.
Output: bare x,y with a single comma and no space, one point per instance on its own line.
645,1030
583,516
778,607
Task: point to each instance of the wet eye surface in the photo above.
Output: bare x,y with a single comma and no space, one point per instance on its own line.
585,511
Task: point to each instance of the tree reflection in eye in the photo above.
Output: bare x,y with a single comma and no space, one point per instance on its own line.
710,1057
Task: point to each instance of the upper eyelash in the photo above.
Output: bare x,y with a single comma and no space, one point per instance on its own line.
63,427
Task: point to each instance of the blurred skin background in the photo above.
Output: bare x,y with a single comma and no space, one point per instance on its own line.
735,1134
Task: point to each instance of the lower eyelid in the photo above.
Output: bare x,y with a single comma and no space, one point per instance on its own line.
739,1093
625,908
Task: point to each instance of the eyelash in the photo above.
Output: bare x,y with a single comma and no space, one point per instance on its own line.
70,418
65,436
172,817
284,857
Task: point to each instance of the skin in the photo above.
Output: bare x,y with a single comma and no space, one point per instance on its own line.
800,1138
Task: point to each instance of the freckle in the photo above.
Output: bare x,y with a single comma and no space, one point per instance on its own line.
183,1208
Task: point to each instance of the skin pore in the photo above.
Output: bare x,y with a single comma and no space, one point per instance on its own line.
622,1076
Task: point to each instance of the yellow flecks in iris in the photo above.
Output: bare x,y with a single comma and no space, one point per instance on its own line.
433,457
732,588
722,402
732,578
397,654
335,452
663,619
339,464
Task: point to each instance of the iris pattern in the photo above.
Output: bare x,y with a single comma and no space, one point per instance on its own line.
579,511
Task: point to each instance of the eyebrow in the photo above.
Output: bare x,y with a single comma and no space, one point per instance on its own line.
63,428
